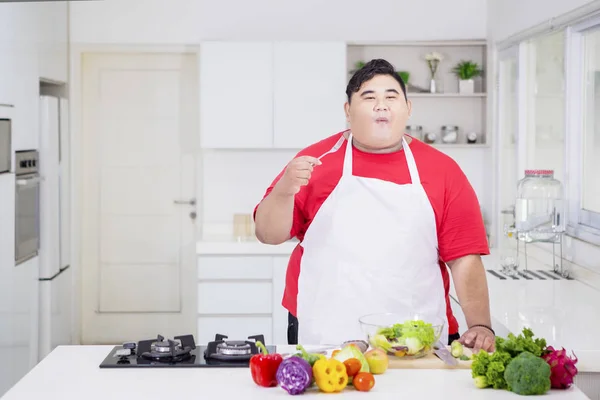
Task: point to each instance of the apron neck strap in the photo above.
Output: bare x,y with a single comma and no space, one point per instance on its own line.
412,166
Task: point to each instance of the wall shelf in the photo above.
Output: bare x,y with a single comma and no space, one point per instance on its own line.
453,95
420,43
460,145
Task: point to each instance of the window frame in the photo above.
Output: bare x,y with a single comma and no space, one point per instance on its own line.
581,224
512,52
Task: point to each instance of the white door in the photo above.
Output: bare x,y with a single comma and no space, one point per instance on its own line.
139,139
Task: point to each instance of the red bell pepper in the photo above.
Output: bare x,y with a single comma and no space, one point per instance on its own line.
263,366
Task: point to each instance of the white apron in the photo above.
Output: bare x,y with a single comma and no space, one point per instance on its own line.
371,248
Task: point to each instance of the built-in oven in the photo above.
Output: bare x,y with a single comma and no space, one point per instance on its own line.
5,139
27,204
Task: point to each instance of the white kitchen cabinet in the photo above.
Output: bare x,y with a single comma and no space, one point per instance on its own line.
8,374
9,22
236,94
309,81
280,314
271,94
7,67
52,29
26,124
240,296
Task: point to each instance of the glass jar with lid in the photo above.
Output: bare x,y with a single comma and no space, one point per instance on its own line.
539,213
449,133
415,131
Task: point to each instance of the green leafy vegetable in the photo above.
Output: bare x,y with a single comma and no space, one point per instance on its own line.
492,367
528,374
411,336
492,370
351,351
515,345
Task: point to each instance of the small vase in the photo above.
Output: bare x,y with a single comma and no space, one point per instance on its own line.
432,88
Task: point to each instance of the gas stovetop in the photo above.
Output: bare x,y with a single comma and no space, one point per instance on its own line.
182,351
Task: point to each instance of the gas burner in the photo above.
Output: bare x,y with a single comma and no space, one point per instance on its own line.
232,350
164,346
167,350
182,352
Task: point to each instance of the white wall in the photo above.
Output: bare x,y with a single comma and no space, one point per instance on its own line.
507,17
189,21
160,22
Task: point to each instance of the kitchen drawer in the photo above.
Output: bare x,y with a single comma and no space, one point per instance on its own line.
240,267
235,328
235,298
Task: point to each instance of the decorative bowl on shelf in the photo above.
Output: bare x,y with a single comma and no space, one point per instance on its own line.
404,336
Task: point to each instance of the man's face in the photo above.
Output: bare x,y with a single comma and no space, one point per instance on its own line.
378,113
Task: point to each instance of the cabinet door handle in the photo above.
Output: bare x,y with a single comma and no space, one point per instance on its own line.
191,202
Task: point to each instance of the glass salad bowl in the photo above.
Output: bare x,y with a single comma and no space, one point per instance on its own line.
407,336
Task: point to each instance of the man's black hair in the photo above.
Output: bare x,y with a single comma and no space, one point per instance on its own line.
368,72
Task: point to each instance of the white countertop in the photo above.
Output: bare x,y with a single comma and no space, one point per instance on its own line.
564,312
249,247
72,372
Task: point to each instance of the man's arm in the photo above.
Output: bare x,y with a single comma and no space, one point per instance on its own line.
274,218
468,274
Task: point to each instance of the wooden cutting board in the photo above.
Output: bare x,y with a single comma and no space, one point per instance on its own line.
430,361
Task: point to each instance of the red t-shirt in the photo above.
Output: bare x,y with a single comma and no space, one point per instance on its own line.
459,222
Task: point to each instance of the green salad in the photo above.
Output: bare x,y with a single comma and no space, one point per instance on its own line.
410,338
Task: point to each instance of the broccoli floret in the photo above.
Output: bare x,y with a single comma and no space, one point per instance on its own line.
528,374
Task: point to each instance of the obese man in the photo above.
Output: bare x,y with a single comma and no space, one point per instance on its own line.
380,216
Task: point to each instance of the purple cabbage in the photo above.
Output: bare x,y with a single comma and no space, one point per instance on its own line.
294,375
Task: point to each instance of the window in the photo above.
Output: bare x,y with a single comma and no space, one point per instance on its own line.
583,147
507,128
590,193
545,104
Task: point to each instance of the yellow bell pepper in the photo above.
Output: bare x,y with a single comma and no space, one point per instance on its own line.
330,375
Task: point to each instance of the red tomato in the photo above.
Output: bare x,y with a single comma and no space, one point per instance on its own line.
363,381
353,365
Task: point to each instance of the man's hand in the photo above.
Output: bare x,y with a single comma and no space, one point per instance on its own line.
479,338
297,174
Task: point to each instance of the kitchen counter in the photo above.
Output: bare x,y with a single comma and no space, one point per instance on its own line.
224,247
562,311
72,372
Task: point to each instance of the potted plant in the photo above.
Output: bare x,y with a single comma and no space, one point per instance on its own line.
357,65
466,71
405,75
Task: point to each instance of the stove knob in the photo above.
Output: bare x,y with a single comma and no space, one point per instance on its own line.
129,345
